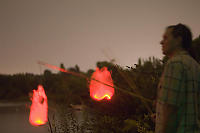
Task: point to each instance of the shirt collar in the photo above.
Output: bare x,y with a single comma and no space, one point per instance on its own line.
181,52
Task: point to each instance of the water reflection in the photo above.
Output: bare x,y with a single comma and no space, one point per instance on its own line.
15,119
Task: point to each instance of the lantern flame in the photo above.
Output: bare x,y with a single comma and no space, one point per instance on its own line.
39,108
100,98
39,122
99,91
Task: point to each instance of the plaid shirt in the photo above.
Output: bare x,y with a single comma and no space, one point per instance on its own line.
180,87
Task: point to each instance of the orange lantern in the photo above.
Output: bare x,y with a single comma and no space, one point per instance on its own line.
99,91
39,108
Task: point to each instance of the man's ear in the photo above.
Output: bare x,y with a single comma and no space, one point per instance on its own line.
179,39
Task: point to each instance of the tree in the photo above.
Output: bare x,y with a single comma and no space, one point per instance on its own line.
62,67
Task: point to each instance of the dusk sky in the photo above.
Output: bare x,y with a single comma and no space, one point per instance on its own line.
83,32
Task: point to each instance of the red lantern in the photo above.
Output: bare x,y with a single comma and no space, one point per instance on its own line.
99,91
39,108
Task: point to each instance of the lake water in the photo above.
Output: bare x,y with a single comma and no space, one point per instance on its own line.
14,118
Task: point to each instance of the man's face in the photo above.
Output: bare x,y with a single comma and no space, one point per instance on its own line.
169,43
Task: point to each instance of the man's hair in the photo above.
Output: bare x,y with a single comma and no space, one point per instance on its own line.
185,33
181,30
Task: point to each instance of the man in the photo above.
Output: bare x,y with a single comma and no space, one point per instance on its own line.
178,97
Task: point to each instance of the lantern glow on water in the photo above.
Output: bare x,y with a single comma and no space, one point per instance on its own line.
99,91
39,108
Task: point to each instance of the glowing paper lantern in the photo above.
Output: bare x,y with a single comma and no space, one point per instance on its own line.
39,108
99,91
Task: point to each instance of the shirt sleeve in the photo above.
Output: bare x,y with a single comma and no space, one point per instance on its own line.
172,84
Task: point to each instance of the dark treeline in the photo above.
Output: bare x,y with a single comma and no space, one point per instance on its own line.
60,87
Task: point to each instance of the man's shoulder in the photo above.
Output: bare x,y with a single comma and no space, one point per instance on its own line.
184,60
177,60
